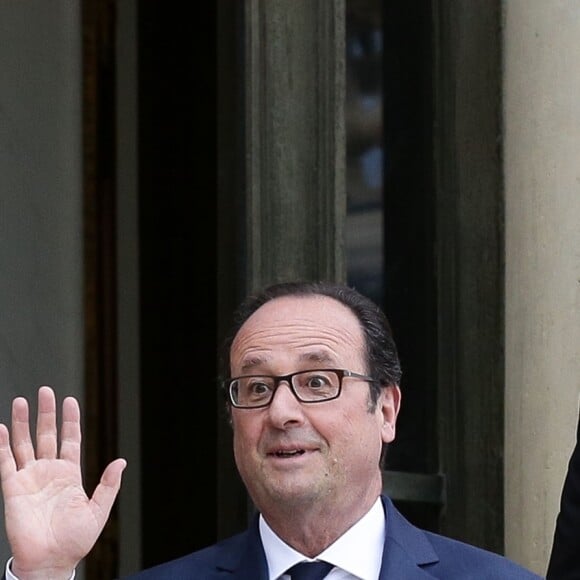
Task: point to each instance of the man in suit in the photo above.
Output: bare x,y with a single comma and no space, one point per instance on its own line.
313,400
564,561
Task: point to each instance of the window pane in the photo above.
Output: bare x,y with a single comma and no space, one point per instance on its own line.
391,208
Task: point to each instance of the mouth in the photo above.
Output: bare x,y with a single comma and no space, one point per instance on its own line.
288,453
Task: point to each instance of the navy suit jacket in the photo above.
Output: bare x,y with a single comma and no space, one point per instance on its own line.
409,554
564,561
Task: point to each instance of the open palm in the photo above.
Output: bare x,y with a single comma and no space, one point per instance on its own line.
51,523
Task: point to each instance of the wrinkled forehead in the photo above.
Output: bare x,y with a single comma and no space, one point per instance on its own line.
317,310
299,324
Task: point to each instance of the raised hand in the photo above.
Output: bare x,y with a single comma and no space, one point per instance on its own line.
51,524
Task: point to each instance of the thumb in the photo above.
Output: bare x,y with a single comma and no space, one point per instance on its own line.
106,491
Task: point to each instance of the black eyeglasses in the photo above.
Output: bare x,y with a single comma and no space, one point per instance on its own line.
312,386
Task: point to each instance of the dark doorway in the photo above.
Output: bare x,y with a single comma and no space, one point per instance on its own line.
177,213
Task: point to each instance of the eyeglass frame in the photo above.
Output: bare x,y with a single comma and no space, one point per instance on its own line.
340,373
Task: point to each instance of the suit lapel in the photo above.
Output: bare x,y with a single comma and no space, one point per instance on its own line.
251,561
406,548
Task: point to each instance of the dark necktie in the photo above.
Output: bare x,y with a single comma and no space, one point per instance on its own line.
309,570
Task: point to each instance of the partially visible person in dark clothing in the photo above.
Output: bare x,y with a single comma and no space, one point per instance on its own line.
564,563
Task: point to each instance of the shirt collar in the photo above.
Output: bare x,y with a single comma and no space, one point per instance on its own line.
358,551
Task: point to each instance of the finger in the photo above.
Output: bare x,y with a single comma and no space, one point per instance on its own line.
21,443
107,490
70,446
46,445
7,463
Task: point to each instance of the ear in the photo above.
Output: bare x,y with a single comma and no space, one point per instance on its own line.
389,404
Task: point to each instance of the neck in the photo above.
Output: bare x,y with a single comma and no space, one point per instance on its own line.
311,529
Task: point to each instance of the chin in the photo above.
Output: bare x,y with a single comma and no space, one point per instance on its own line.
296,493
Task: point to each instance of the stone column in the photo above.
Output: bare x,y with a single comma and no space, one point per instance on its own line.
294,139
542,188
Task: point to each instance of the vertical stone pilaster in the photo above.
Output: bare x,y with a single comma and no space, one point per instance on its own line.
542,185
294,140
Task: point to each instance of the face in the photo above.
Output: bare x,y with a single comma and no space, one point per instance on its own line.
298,454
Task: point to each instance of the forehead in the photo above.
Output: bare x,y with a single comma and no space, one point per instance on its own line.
298,328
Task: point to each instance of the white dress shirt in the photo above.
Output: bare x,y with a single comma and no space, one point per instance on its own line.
10,576
356,555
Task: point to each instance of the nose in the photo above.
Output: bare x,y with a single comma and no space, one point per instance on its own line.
285,408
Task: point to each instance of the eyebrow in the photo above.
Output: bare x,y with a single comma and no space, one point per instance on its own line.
251,363
315,356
